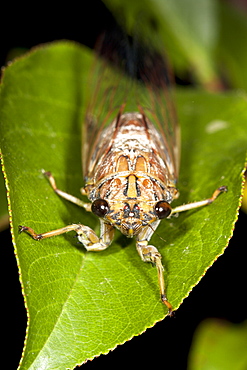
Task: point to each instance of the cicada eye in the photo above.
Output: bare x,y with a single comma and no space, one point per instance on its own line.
100,207
162,209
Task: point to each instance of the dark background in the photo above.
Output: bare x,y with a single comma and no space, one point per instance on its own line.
219,294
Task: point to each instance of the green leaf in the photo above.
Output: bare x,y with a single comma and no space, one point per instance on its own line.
231,53
218,344
83,304
190,30
4,219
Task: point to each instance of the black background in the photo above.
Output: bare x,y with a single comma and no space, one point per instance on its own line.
219,294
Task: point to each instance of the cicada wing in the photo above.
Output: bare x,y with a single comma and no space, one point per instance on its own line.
158,106
107,89
148,91
157,101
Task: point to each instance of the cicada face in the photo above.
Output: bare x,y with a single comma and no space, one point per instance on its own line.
131,216
128,216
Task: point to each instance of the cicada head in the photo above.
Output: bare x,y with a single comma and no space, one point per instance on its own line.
130,216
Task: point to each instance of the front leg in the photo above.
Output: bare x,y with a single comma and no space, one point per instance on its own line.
92,242
149,253
84,233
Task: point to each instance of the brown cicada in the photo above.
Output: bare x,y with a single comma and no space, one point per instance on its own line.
130,160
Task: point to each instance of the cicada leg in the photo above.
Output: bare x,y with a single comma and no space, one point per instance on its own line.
69,197
201,203
149,253
84,233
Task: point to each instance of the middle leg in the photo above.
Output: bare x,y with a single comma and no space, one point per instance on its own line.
65,195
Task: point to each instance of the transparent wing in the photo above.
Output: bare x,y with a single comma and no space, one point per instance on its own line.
158,105
107,90
112,92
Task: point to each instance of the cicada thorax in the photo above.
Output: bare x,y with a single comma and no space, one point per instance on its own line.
131,145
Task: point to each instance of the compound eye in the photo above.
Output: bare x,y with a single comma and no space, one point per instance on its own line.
100,207
162,209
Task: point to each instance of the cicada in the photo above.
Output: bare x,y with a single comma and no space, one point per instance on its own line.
130,162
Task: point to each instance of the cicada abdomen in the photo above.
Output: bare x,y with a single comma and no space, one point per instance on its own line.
130,156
